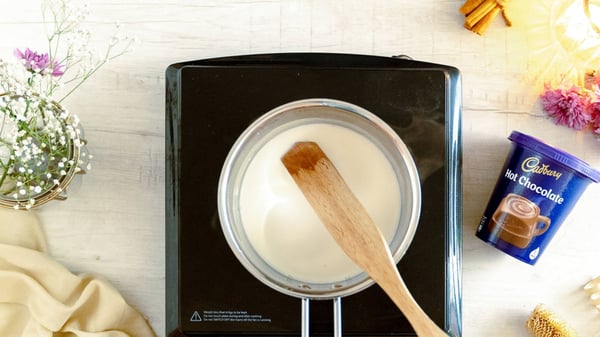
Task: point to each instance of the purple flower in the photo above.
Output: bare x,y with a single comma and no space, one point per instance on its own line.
36,62
569,107
58,69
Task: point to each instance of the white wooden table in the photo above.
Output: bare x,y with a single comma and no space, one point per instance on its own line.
113,222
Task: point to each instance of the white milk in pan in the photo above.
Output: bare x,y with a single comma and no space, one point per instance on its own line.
281,225
270,226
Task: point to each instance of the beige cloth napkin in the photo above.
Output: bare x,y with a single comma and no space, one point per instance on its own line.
41,298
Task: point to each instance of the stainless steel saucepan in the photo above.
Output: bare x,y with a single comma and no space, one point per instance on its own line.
283,255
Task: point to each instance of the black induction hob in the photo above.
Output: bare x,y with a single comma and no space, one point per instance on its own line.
210,102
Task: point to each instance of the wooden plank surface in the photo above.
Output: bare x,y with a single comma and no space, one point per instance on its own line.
113,222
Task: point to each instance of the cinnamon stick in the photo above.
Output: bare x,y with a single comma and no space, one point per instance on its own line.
507,20
474,17
470,6
482,25
479,14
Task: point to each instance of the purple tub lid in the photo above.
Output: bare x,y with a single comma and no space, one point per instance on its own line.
560,156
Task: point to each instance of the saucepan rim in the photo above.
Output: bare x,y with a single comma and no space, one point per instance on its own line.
254,136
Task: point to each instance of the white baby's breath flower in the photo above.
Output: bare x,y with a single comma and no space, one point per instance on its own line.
8,136
70,45
40,152
37,137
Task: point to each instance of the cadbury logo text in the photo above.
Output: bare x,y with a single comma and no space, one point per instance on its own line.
533,165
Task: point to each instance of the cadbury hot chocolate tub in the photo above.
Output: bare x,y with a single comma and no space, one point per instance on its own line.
538,187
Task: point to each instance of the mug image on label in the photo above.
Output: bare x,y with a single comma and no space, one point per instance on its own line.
517,220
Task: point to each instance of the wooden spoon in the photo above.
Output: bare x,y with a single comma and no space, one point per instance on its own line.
352,228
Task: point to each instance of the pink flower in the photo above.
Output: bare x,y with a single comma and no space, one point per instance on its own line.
569,107
36,62
595,117
596,78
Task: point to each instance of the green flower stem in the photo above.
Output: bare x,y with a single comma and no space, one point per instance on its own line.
5,172
45,157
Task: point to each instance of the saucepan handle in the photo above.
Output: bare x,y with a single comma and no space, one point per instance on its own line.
337,317
305,332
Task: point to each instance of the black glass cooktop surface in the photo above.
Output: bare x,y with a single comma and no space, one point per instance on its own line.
210,102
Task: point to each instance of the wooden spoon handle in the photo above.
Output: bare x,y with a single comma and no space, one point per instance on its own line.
351,226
